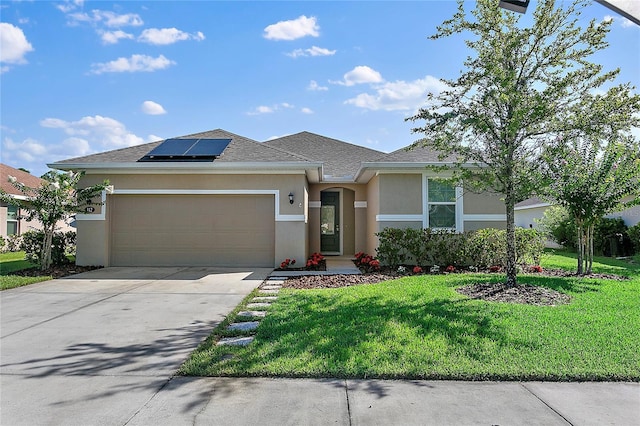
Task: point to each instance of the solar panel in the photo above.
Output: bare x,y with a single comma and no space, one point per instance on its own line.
187,150
208,147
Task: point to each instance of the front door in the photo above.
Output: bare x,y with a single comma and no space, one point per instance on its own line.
330,222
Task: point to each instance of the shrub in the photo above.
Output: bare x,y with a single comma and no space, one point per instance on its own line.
559,226
483,248
62,245
14,242
417,270
610,237
634,237
2,243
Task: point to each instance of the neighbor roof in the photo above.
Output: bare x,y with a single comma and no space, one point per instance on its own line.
26,178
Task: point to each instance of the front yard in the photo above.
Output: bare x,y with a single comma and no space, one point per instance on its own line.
12,262
420,327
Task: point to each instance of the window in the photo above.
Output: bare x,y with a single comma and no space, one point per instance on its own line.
441,204
12,220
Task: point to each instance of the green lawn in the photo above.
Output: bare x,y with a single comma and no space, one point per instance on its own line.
419,327
12,262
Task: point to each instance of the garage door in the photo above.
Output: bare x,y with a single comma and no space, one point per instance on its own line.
192,230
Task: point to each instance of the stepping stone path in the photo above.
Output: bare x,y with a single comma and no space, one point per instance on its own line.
271,287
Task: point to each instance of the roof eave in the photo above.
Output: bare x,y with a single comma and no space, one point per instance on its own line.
313,170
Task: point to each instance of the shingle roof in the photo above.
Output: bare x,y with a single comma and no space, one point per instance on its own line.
413,155
23,177
341,159
240,149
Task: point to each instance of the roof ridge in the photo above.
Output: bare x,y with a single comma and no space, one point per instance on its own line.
306,132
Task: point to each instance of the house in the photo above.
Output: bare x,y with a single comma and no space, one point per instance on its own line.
11,221
219,199
529,211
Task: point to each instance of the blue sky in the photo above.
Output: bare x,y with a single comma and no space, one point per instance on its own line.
84,77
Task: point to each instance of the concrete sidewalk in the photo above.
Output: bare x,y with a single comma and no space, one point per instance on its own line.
250,401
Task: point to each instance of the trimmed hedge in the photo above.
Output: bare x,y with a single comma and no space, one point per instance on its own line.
483,248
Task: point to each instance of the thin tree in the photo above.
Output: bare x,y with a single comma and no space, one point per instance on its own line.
590,179
523,86
55,200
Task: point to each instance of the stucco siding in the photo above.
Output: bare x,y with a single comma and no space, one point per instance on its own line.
483,203
373,209
401,194
475,225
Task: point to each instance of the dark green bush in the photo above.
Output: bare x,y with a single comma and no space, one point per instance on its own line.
634,237
483,248
62,245
611,239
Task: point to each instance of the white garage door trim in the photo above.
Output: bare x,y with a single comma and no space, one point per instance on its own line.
278,217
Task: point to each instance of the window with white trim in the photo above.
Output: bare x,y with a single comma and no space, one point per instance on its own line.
12,220
441,204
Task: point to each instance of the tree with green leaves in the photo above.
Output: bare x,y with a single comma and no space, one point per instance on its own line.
56,199
590,179
523,87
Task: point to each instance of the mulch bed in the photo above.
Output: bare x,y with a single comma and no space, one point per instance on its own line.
522,293
496,292
57,271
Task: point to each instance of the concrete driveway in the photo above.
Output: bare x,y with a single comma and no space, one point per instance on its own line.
95,347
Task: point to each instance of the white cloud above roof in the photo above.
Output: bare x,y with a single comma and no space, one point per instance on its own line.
135,63
293,29
163,36
14,45
360,75
398,95
306,110
152,108
312,51
113,37
264,109
107,132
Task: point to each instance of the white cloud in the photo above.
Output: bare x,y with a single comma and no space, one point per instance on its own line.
14,45
398,95
104,17
136,63
360,75
306,110
627,23
152,108
162,36
607,18
106,132
292,29
313,51
264,109
313,85
112,19
68,6
113,37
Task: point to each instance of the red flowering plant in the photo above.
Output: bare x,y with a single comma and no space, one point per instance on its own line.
366,263
535,268
315,262
495,268
450,268
417,270
287,262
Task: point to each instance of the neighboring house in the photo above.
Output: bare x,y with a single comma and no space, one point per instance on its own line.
10,215
529,211
227,200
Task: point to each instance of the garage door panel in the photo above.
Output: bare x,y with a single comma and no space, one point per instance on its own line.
177,230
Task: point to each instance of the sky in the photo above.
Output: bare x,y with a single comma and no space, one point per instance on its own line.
80,77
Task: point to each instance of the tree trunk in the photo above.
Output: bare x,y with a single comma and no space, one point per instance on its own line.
511,267
45,261
580,242
589,266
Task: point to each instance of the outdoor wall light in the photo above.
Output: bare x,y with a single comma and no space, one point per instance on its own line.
519,6
291,198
